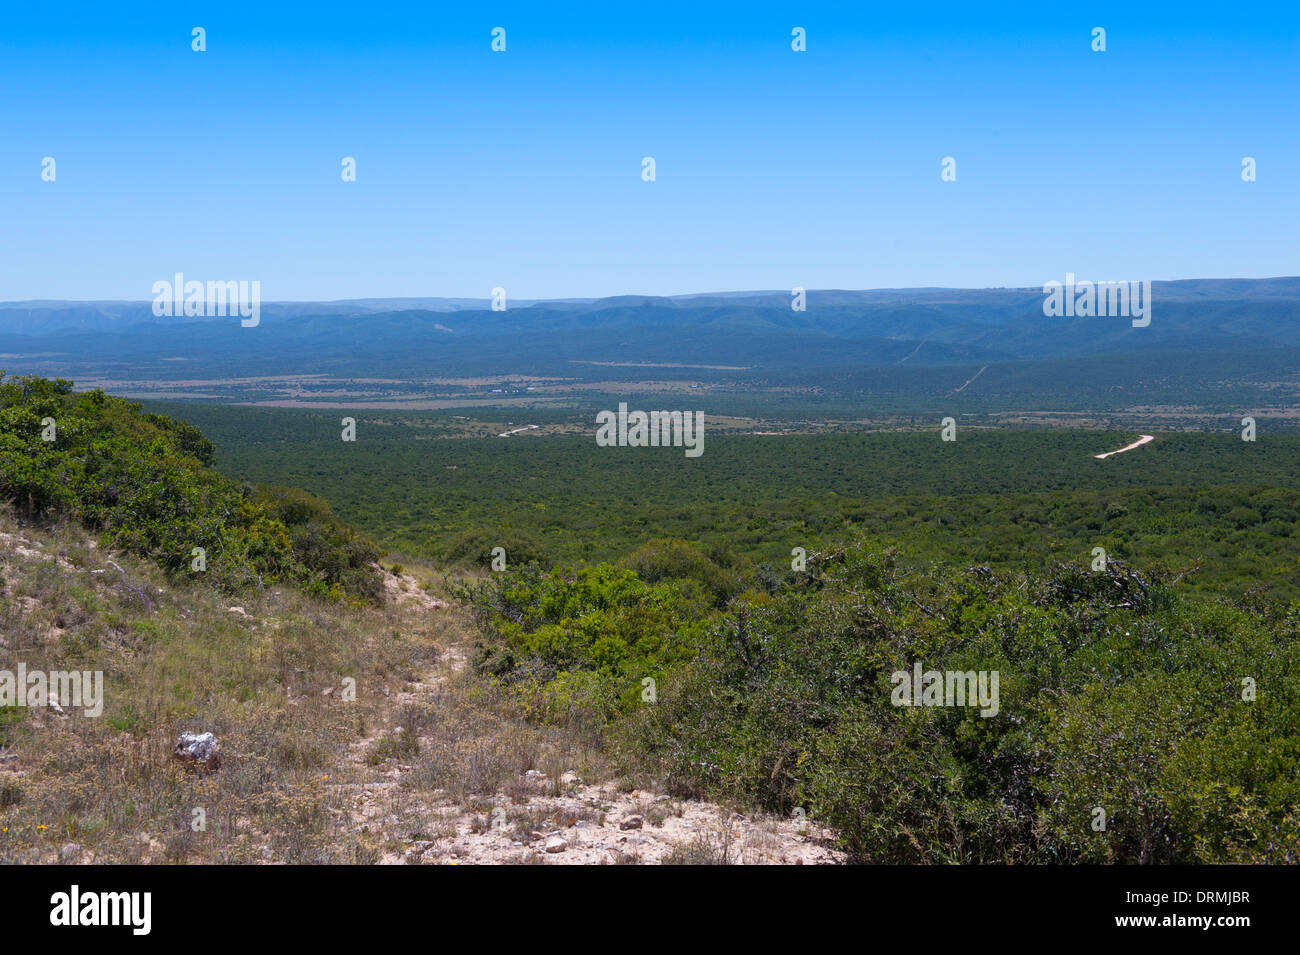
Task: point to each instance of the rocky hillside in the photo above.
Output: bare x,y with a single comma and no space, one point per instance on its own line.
346,733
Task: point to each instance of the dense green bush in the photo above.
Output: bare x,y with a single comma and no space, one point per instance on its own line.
1016,499
334,557
661,560
474,548
1116,694
580,642
145,482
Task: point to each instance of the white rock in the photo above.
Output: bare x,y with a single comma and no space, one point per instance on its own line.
199,750
556,844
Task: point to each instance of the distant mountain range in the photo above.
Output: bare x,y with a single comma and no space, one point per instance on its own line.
756,330
43,316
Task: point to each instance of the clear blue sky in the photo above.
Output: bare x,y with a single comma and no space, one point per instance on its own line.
523,169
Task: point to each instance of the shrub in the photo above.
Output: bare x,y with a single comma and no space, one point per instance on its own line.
1115,694
145,482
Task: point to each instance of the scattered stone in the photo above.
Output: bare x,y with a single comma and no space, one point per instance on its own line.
199,751
556,844
416,850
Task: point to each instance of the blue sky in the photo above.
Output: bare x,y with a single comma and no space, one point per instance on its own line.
523,169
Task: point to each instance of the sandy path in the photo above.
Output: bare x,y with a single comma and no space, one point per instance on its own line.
973,377
561,821
1128,447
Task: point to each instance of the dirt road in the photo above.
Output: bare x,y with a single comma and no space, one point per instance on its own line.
1128,447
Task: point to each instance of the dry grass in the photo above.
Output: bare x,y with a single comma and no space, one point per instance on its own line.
427,755
175,658
703,850
476,741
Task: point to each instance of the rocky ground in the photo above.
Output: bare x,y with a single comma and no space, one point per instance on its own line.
430,766
596,824
566,820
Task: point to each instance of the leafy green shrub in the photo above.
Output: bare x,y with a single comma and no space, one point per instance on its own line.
579,639
659,560
1116,694
473,548
334,553
145,482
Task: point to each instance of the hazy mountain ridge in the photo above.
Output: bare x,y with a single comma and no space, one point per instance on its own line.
1215,344
873,327
43,316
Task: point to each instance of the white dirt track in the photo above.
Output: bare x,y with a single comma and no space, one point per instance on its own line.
1128,447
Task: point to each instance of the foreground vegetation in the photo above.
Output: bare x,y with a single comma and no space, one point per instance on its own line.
146,483
299,761
1148,709
1173,725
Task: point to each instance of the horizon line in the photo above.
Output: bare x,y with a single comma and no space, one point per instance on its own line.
583,299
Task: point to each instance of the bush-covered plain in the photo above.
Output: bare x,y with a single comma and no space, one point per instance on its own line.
1220,510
